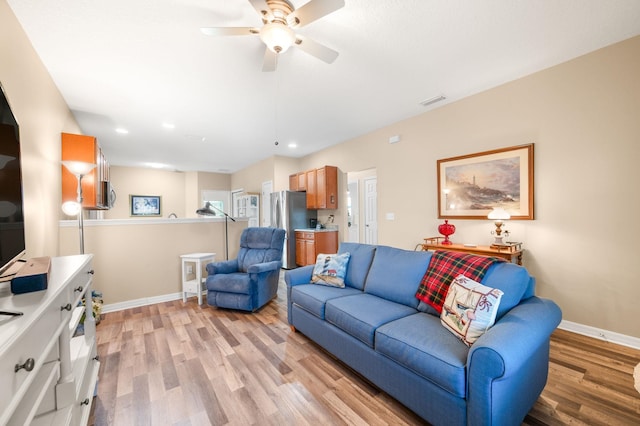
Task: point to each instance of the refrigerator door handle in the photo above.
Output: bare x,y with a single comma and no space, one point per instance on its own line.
277,213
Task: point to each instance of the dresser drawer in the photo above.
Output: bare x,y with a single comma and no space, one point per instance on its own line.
35,345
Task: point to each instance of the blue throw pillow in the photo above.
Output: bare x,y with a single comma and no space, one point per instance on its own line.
330,269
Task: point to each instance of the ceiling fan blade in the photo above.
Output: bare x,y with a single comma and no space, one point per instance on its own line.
229,31
313,11
316,49
262,8
270,61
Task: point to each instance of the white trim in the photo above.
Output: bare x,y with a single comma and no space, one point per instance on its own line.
120,306
598,333
141,221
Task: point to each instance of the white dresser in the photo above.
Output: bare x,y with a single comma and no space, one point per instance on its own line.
47,376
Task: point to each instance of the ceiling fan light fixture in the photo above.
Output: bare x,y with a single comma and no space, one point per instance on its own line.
277,36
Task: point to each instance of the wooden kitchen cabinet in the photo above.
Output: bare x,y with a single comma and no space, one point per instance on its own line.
322,188
327,188
311,189
302,181
311,243
95,185
298,181
293,182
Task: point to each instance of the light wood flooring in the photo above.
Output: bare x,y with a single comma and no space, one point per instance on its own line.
178,363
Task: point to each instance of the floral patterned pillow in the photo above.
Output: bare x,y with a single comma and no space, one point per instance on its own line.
469,309
331,269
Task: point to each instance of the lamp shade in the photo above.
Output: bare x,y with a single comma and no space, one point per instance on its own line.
71,208
277,36
498,213
206,210
79,168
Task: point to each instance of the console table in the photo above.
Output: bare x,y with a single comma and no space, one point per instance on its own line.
49,376
511,253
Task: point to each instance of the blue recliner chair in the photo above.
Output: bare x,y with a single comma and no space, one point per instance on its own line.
251,280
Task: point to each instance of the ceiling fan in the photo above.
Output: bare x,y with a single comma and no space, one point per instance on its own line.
280,18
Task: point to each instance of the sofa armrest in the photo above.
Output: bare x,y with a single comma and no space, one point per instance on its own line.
293,278
222,267
298,276
507,367
264,267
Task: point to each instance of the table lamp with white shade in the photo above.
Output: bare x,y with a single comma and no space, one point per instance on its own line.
499,215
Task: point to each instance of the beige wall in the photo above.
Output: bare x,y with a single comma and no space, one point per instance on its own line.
583,118
180,192
42,115
140,259
250,180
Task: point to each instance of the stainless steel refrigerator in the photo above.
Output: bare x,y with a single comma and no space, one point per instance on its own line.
289,212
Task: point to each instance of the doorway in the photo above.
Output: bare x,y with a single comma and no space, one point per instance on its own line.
362,207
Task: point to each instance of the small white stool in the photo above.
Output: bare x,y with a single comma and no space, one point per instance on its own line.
194,286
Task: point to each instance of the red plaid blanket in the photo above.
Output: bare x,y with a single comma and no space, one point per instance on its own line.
444,267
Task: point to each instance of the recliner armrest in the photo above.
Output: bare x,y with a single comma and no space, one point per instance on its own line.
222,267
264,267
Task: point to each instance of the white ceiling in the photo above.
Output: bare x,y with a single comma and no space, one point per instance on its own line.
137,64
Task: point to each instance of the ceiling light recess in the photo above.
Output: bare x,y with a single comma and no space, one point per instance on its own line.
433,100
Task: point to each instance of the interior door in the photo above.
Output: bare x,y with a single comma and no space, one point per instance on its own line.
371,211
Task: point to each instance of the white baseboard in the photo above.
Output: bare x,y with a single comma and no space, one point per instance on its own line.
574,327
120,306
598,333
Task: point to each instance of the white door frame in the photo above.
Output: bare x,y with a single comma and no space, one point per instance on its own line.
370,210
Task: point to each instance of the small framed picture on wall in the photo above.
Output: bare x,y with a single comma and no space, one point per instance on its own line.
144,205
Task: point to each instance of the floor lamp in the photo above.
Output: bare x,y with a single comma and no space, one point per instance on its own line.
78,169
207,211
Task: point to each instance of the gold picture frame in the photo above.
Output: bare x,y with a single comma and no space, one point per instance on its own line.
470,186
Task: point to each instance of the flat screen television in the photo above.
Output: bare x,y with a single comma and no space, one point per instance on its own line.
12,237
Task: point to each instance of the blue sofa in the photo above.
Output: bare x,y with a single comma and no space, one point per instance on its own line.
374,326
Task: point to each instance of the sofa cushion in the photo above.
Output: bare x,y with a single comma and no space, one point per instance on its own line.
359,263
421,344
312,298
359,315
514,281
330,269
469,309
395,274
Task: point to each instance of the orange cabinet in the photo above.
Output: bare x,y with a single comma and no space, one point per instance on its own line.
310,244
322,188
311,189
298,182
95,185
293,182
302,181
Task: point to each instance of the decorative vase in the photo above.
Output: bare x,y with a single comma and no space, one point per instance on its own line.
446,229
